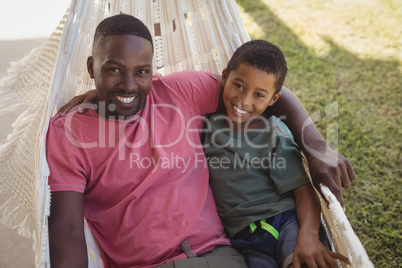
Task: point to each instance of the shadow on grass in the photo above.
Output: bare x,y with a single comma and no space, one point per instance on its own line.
369,95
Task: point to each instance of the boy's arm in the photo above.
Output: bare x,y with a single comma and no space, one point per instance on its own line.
309,249
66,230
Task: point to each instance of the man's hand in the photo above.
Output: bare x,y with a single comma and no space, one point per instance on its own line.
331,169
85,101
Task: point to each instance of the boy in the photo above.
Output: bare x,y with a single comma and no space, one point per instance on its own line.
255,167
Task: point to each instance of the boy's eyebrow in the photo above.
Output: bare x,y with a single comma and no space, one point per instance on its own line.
122,65
260,88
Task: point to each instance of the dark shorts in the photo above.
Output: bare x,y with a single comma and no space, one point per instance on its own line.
264,248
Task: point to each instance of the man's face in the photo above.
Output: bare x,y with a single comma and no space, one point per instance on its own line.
121,66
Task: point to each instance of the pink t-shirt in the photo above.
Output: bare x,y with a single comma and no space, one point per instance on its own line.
145,180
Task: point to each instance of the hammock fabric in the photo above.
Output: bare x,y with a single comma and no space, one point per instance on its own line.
188,34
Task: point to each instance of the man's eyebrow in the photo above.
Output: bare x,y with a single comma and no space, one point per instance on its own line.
122,65
114,62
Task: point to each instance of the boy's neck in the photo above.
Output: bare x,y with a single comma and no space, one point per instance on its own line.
252,123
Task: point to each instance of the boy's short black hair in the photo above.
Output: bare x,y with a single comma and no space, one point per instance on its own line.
122,24
262,55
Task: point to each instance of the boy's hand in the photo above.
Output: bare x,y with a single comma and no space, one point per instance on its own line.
331,169
314,254
85,100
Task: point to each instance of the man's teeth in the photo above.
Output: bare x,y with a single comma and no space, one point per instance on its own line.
239,111
125,100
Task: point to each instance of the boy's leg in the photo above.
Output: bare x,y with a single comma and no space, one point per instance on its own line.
258,246
287,241
219,257
256,259
288,235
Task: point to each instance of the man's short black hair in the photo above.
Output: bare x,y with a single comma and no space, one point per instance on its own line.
122,24
262,55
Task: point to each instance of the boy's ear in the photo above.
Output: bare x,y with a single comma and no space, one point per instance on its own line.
275,98
224,76
90,66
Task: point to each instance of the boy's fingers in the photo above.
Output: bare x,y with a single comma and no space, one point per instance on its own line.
67,107
296,262
83,106
340,257
329,261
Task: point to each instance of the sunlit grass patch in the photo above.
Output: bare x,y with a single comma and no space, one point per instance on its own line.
349,52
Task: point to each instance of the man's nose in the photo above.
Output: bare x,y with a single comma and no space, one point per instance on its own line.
130,83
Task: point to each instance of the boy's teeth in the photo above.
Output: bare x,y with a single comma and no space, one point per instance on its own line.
239,111
125,99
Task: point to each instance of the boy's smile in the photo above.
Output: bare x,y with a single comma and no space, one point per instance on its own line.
122,68
248,91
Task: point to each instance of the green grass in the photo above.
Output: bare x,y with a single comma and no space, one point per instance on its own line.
350,53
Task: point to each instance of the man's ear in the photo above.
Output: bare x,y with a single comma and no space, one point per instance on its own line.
275,98
90,66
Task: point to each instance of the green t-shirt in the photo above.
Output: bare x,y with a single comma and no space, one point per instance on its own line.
252,172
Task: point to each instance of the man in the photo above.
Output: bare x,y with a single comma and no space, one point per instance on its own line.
134,166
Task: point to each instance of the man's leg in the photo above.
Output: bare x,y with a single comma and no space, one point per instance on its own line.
219,257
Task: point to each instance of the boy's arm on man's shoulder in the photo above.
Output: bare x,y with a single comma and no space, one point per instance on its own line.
66,230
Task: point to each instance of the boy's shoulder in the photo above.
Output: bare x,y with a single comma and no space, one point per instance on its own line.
280,128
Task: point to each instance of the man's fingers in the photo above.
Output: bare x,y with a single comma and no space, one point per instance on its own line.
333,187
347,173
351,171
338,194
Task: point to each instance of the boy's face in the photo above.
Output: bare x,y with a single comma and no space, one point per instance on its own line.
121,66
248,91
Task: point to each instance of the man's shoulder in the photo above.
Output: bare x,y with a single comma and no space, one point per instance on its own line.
72,117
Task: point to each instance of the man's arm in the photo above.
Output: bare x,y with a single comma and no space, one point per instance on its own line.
309,249
66,230
326,166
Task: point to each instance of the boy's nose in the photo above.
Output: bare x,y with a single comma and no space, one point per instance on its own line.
246,100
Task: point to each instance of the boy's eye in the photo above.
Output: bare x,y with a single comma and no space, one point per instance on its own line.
259,95
239,86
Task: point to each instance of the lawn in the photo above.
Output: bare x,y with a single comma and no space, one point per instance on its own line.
348,55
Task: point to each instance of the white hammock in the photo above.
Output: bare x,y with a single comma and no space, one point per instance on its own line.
194,34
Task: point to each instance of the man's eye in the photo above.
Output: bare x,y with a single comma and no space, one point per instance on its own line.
142,72
115,70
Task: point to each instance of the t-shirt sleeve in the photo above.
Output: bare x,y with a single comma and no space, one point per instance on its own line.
288,172
66,161
200,90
